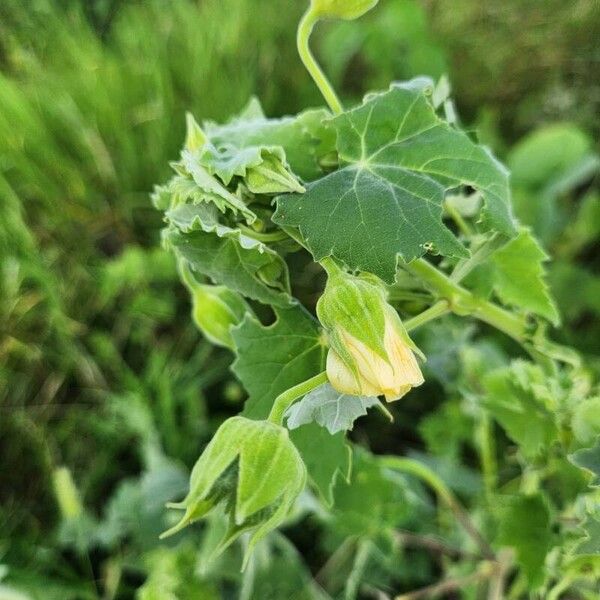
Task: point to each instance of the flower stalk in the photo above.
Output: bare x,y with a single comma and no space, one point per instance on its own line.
305,29
287,398
464,303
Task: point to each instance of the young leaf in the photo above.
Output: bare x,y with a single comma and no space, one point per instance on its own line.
327,457
273,359
586,420
519,276
182,189
398,158
304,138
263,168
589,459
329,408
226,255
525,525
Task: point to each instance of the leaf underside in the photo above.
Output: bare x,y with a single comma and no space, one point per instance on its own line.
226,255
330,409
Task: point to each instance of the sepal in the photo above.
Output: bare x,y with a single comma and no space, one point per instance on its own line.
254,470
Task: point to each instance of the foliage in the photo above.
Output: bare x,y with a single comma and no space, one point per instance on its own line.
487,476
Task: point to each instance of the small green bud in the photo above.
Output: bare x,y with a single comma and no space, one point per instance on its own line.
370,351
341,9
215,309
254,471
272,176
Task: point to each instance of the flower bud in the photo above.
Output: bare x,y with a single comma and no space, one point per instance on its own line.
370,352
272,176
215,309
341,9
254,471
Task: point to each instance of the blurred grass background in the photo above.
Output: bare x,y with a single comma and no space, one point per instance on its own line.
100,366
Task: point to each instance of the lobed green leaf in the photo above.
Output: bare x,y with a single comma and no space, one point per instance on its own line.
398,159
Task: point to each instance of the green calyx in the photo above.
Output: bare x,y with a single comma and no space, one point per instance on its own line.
341,9
352,305
242,453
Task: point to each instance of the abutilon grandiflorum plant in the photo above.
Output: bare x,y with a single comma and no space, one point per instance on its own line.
405,215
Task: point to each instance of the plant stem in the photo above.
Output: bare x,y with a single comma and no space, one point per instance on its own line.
440,308
273,236
507,322
462,302
434,545
563,585
305,28
287,398
478,255
186,275
449,585
455,215
424,473
496,589
487,451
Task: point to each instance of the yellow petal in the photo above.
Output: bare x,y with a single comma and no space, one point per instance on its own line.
343,380
393,377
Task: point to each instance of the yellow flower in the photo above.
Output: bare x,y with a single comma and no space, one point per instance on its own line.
392,377
370,352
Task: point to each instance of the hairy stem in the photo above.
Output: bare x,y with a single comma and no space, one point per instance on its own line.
433,544
462,302
478,255
305,28
287,398
424,473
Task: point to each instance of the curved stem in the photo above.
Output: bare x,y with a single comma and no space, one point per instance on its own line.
452,584
287,398
273,236
424,473
436,310
331,266
312,66
186,275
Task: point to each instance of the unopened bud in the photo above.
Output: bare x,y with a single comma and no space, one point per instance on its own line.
254,471
370,352
341,9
